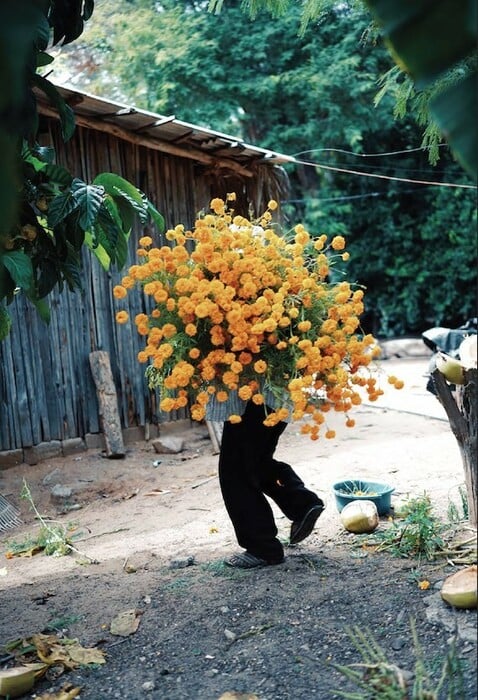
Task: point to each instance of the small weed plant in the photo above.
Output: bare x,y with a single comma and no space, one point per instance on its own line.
53,538
458,513
416,532
377,678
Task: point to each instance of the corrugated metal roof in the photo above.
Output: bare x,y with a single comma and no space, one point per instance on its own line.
165,130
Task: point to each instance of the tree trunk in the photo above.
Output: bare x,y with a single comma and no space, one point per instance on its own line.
462,411
108,404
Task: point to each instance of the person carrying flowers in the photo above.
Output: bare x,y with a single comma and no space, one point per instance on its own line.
248,328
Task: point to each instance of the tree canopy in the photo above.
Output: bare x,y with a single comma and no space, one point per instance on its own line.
310,95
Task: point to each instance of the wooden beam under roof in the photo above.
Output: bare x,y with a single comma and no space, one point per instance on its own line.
149,142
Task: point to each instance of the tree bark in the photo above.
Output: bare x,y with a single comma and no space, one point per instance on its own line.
462,410
108,404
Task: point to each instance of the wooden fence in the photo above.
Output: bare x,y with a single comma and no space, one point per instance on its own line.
46,389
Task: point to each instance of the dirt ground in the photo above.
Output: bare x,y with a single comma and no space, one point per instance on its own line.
156,528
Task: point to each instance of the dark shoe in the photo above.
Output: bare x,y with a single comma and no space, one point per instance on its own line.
246,560
300,529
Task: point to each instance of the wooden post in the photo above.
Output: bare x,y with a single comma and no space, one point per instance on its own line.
108,404
462,412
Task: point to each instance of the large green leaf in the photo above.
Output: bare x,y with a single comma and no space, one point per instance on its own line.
156,217
427,36
455,110
60,207
67,116
41,306
59,175
97,249
19,267
89,199
115,185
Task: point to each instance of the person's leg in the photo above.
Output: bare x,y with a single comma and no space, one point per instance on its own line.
286,488
245,448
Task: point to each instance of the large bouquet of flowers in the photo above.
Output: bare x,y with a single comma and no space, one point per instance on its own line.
243,308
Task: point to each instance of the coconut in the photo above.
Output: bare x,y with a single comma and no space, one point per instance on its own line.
360,516
451,369
16,681
459,589
468,351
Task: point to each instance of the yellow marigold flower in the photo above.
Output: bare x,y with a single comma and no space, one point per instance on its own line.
231,196
235,418
245,393
272,205
260,366
217,205
190,329
399,384
338,243
198,412
222,396
258,399
424,585
169,329
346,256
304,326
167,404
127,282
119,292
122,317
145,241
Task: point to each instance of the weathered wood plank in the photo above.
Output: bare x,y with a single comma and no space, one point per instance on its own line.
108,403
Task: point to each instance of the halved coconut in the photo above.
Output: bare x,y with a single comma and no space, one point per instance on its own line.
460,590
360,517
16,681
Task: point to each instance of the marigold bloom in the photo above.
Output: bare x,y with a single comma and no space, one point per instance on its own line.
245,308
119,292
122,317
338,243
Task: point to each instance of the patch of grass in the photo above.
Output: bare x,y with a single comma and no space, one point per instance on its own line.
377,678
61,623
179,585
416,531
53,538
219,568
458,513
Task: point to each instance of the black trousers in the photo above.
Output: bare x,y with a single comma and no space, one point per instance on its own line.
248,473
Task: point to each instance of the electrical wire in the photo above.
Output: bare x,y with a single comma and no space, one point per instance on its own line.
380,177
366,155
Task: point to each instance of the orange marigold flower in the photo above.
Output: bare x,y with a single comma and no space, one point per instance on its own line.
260,366
330,434
245,393
146,241
119,292
235,418
122,317
338,243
